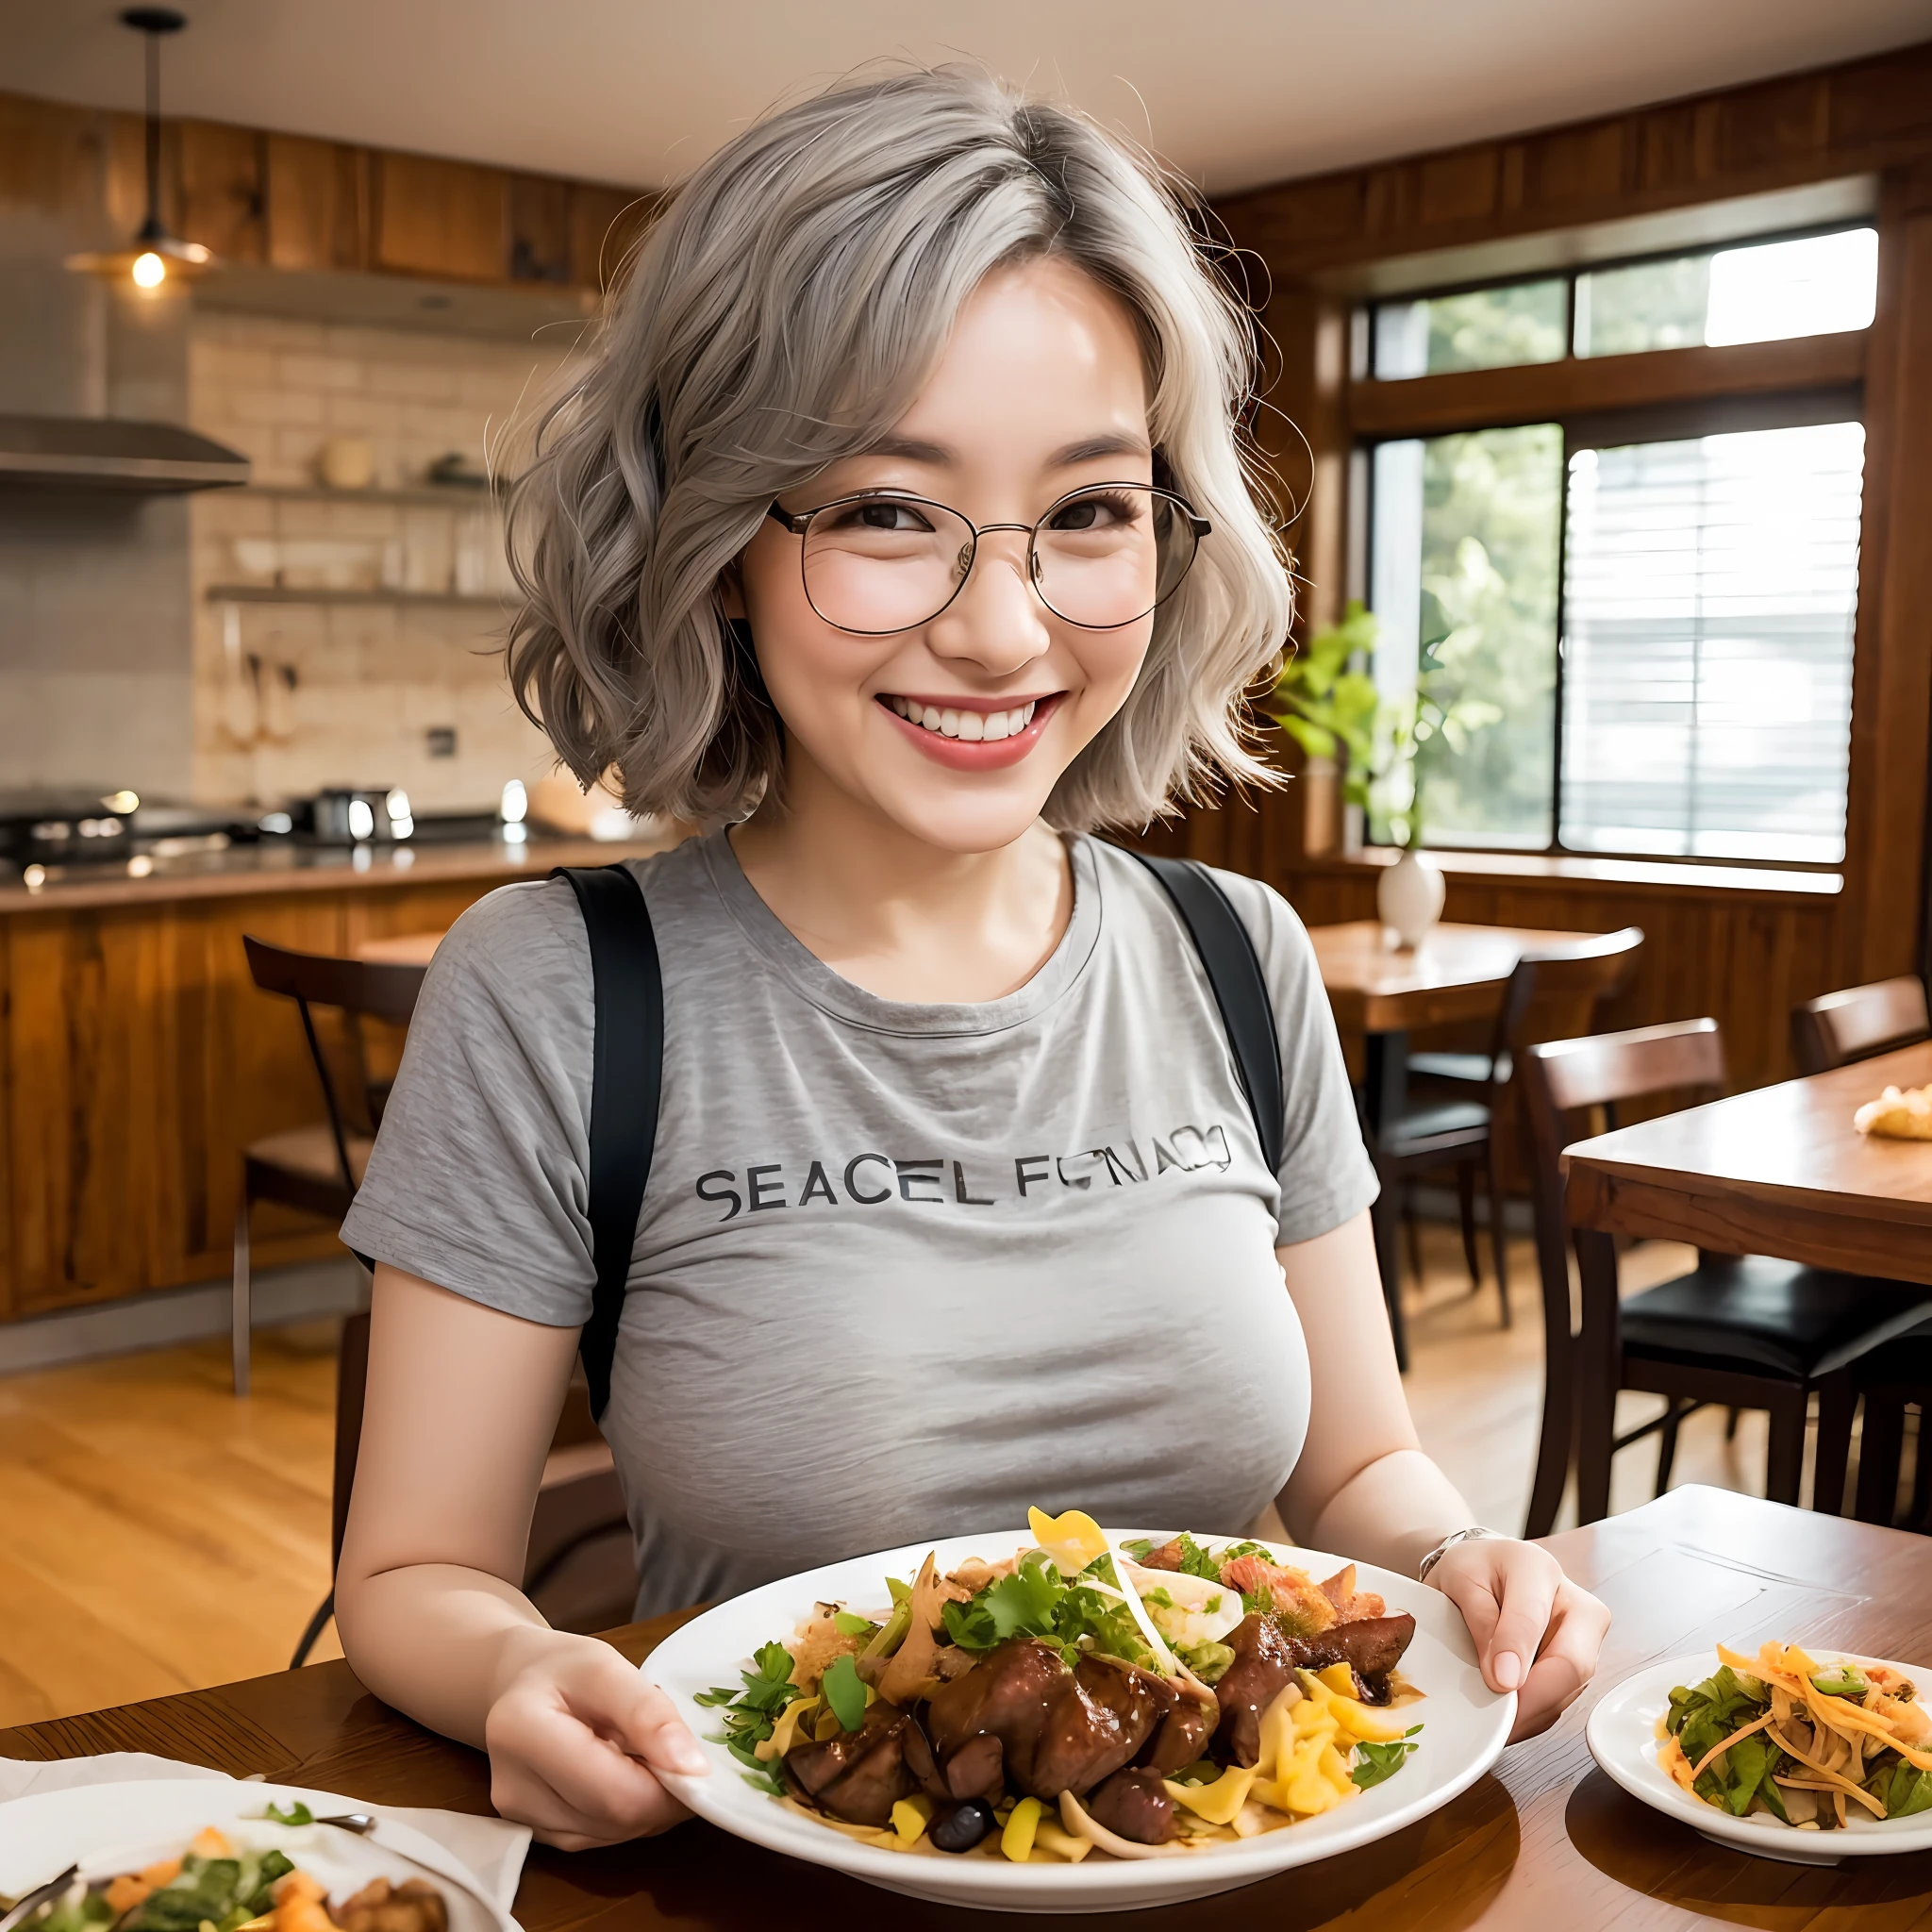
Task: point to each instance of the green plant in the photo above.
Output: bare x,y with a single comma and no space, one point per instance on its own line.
1327,703
1332,708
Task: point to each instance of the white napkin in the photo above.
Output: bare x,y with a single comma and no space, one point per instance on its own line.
490,1849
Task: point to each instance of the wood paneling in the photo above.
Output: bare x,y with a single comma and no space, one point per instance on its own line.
139,1061
317,201
220,199
604,223
1554,391
1851,119
1891,695
442,218
539,247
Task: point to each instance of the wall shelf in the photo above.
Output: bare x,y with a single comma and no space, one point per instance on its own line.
425,496
272,593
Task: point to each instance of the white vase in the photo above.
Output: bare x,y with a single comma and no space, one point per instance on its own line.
1408,896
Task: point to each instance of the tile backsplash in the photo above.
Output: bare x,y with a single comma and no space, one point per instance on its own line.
392,674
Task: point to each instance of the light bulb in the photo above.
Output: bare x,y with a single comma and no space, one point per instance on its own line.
149,270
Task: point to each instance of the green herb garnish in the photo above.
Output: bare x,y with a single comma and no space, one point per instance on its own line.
751,1713
297,1813
1379,1761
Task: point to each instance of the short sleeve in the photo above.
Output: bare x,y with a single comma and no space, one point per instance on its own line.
1326,1177
478,1178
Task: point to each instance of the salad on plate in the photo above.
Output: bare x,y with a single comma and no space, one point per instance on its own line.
1813,1743
1144,1700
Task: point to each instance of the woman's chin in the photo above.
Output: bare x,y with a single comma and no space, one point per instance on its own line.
964,824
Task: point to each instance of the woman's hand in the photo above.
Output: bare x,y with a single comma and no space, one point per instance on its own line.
576,1739
1535,1632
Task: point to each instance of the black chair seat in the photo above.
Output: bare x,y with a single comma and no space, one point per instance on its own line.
1466,1069
1764,1316
1439,1122
1905,1361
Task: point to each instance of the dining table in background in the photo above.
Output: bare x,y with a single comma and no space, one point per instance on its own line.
1780,1171
1543,1838
1383,994
404,949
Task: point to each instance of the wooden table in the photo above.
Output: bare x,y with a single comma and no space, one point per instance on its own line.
1780,1171
1544,1840
1458,973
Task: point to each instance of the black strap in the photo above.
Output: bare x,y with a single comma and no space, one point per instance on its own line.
627,1071
1233,972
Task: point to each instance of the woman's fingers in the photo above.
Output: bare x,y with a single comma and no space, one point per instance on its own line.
568,1749
1578,1626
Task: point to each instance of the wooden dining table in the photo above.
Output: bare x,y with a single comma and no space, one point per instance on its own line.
1381,992
1543,1839
1780,1171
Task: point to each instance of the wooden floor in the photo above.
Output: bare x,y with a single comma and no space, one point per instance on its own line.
161,1536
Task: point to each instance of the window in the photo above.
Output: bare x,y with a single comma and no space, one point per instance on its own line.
1709,594
1656,610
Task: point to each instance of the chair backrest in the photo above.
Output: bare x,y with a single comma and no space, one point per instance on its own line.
1837,1028
1561,1078
359,988
1555,993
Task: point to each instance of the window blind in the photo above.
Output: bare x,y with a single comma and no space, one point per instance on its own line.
1709,591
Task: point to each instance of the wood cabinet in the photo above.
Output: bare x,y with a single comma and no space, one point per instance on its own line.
297,203
138,1060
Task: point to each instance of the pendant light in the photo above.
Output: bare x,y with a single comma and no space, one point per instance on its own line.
155,254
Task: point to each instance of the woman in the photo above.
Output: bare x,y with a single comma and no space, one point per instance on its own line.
899,522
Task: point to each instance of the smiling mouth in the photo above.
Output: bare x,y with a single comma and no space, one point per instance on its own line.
971,725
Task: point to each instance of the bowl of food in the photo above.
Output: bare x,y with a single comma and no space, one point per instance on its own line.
1811,1756
1072,1719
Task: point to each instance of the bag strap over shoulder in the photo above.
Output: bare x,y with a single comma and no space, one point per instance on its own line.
1233,972
628,1065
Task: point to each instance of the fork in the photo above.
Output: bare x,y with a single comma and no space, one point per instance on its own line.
26,1908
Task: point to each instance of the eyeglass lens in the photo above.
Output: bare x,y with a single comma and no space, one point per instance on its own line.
1100,560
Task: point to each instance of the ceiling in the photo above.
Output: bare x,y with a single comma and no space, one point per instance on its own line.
1235,93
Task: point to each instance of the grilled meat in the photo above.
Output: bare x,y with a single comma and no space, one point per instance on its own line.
1133,1805
857,1775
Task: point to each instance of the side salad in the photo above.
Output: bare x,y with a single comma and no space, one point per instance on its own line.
214,1884
1139,1700
1811,1744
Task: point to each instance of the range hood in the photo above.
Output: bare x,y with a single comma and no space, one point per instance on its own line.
113,453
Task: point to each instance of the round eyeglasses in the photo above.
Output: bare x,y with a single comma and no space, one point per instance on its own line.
1101,557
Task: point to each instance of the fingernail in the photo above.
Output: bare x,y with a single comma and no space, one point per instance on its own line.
1508,1669
686,1756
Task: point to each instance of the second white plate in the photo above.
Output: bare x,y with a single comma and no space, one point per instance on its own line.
1623,1739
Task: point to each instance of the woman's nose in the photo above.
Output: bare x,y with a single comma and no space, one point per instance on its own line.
996,622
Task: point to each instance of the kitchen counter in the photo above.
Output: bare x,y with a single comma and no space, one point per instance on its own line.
138,1060
283,865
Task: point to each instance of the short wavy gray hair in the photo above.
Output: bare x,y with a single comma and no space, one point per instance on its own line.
779,316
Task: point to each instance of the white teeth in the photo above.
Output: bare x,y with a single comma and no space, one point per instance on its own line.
972,726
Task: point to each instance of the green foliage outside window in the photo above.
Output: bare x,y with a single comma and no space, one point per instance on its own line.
1491,517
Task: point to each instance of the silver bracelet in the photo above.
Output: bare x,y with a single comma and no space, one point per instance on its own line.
1448,1543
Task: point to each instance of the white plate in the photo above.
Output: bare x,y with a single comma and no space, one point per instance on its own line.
1465,1725
1623,1739
111,1828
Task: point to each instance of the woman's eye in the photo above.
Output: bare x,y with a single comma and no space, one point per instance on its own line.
1093,513
883,515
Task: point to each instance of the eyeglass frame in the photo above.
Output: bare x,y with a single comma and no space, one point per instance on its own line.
798,521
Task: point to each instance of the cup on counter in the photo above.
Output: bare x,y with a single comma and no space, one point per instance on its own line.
346,462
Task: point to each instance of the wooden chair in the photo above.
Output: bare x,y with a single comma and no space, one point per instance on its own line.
1459,1102
1837,1028
580,1569
1747,1331
318,1169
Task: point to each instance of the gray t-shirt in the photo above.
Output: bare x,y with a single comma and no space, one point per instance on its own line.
902,1269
